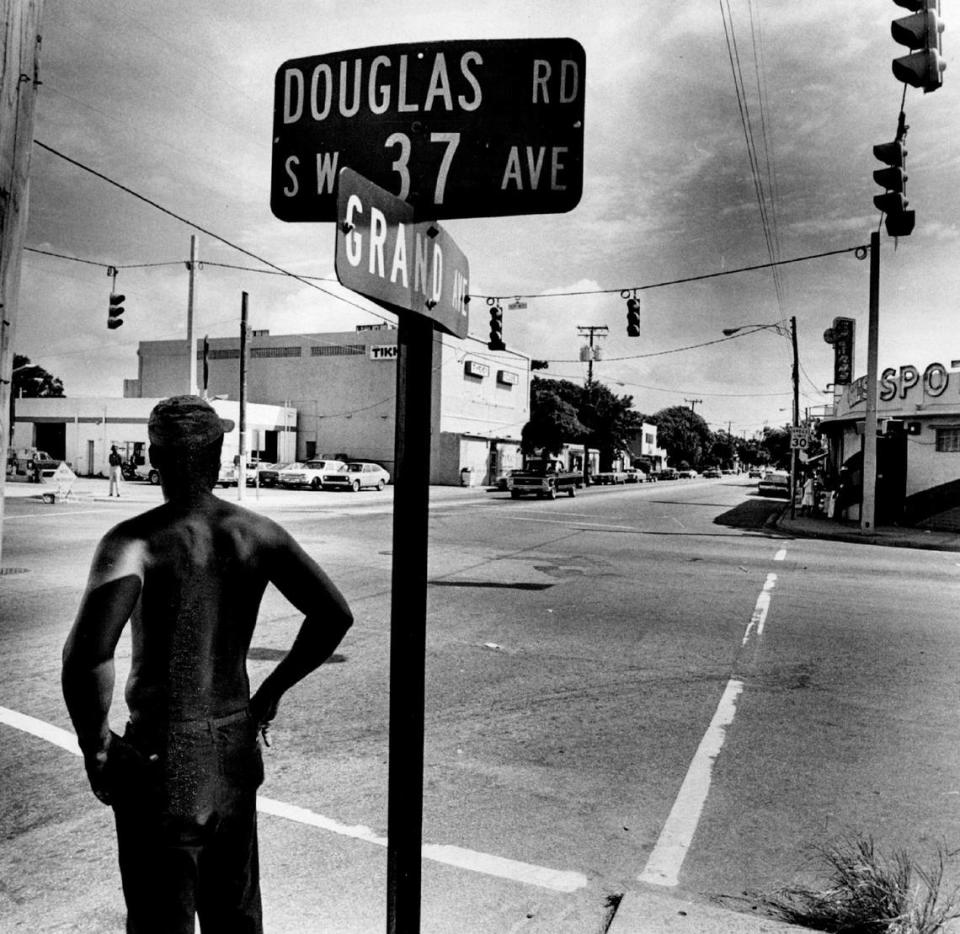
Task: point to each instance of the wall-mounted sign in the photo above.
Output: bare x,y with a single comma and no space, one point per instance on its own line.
384,352
508,377
474,368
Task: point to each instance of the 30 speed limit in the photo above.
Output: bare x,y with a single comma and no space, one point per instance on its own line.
458,129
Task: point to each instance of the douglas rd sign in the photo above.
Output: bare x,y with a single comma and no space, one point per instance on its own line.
382,254
466,128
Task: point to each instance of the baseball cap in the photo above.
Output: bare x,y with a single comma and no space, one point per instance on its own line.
185,421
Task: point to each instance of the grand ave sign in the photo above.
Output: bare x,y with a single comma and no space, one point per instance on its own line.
382,254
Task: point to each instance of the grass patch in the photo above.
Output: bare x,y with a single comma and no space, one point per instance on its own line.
869,893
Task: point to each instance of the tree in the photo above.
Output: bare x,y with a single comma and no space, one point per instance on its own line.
30,381
683,434
776,442
610,420
564,413
553,419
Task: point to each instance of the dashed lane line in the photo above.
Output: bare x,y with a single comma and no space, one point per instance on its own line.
557,880
668,855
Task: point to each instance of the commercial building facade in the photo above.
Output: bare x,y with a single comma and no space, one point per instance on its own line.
82,430
918,443
343,388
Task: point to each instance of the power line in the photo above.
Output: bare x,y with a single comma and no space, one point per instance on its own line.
202,229
709,275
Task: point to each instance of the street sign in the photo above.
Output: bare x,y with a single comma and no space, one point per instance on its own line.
382,254
465,128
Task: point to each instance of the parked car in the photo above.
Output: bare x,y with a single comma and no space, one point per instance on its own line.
30,462
668,473
309,473
228,475
269,474
776,483
356,475
687,474
712,473
755,473
632,475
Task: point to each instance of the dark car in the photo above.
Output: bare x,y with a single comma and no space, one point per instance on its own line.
776,483
269,474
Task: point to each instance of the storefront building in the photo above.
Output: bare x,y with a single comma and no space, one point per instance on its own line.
343,388
81,431
918,439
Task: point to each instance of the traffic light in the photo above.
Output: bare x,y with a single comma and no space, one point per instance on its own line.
920,32
496,329
899,221
633,318
114,311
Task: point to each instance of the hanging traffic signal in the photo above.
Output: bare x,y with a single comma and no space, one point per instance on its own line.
496,329
633,318
114,311
899,221
923,67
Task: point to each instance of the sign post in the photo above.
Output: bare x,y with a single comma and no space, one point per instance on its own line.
417,271
386,141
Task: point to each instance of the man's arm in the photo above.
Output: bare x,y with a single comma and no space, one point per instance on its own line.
87,678
327,618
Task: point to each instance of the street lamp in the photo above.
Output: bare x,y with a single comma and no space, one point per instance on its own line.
776,326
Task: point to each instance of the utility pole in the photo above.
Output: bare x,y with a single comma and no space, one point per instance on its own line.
589,331
19,79
796,417
869,482
693,403
242,447
191,343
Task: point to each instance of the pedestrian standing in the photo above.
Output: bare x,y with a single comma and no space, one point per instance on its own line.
115,463
806,499
189,575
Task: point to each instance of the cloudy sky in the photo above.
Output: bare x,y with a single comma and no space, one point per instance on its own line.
174,100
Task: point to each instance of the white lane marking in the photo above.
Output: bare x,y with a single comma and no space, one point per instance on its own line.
54,515
663,866
759,616
780,555
557,880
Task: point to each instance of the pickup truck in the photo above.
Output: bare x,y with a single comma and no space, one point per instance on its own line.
544,479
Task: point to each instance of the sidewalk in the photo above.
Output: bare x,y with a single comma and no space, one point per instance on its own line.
892,535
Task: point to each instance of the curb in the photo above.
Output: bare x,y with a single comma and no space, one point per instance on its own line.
648,912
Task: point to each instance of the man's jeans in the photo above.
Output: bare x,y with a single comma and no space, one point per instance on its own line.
184,799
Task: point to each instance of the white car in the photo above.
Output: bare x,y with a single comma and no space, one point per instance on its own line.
308,474
356,475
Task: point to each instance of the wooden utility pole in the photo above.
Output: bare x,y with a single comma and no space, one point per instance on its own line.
244,360
19,79
693,404
191,298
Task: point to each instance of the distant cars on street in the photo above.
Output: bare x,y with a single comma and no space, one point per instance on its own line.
755,473
712,473
355,476
668,473
269,474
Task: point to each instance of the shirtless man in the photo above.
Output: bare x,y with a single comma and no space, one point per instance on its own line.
189,576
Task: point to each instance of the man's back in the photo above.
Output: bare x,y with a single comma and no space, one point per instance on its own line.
204,570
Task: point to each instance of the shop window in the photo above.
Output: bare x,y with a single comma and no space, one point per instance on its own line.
948,440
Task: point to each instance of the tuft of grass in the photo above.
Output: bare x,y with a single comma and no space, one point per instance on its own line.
868,893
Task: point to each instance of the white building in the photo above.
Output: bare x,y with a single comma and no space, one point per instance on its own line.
918,443
81,431
343,386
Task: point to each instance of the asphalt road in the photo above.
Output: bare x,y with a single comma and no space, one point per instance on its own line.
639,687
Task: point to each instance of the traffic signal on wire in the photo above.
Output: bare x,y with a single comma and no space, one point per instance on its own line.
919,32
496,329
115,311
633,317
893,179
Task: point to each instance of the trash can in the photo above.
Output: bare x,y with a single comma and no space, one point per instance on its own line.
466,476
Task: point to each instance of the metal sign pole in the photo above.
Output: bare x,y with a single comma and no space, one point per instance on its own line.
408,615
